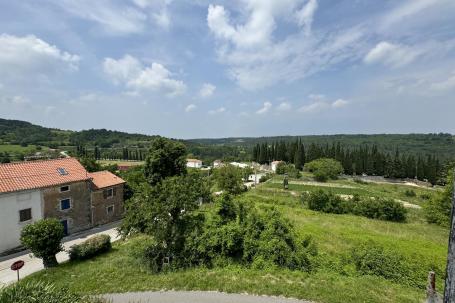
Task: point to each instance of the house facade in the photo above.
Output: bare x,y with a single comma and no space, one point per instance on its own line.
107,197
193,163
58,188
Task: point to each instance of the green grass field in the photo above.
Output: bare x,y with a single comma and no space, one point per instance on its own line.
422,246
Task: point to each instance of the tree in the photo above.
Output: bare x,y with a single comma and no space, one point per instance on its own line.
165,159
166,211
439,208
44,239
325,168
90,164
229,179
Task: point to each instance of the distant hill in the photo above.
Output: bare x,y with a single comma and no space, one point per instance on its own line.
24,133
442,144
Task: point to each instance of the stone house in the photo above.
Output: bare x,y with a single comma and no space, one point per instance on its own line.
107,197
58,188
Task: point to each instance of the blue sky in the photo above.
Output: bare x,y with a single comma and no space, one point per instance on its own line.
192,69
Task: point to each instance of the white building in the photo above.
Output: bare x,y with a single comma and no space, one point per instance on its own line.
193,163
274,165
17,210
241,165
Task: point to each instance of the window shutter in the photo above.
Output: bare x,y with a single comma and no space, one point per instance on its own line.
104,194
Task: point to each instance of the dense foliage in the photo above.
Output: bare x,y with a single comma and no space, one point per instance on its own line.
373,208
91,247
361,159
438,208
166,158
324,169
229,179
44,239
289,169
38,292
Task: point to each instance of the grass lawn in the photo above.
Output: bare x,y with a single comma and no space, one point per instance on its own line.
12,148
423,247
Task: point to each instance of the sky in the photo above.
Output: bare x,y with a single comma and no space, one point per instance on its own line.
207,68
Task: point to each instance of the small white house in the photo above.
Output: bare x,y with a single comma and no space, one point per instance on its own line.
274,165
193,163
17,210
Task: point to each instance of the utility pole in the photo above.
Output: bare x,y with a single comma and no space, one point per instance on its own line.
449,291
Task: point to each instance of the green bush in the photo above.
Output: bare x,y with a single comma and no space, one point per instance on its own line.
438,209
372,259
324,169
39,292
265,178
44,239
91,247
373,208
289,169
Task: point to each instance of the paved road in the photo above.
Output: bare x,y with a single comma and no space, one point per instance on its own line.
32,264
194,297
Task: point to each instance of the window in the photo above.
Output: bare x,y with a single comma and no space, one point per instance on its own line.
62,171
65,204
25,215
110,209
108,193
64,188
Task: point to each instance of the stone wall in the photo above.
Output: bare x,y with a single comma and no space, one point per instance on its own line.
79,214
101,203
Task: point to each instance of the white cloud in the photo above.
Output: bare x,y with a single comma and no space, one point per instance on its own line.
314,107
339,103
207,90
217,111
28,55
257,59
158,11
406,10
284,106
394,55
265,108
305,15
190,108
130,72
113,17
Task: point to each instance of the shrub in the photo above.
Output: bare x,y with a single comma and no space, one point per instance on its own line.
229,179
289,169
373,208
91,247
437,210
44,239
324,169
372,259
410,193
265,178
39,292
382,209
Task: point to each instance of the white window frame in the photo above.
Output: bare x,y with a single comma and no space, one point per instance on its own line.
25,221
65,191
71,204
107,209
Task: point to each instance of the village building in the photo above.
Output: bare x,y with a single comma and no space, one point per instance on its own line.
241,165
58,188
217,163
107,197
274,165
193,163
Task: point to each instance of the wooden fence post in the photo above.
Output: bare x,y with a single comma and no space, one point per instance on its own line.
449,291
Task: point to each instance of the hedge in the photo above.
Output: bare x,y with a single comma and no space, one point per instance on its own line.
93,246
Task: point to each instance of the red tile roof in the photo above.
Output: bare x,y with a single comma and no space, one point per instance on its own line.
39,174
102,179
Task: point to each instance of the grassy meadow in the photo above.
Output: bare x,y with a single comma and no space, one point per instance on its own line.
335,280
